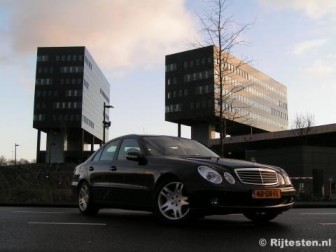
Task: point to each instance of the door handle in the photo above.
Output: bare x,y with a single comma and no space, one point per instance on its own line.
91,168
113,168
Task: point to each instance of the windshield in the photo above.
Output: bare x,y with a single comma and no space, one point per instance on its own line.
173,146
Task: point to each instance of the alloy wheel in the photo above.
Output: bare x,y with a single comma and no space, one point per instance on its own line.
172,202
83,197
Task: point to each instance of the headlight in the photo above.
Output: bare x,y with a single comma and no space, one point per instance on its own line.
229,178
210,174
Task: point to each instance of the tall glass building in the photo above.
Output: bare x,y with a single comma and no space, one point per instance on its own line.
70,93
192,91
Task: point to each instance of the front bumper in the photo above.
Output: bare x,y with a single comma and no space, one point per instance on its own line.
239,201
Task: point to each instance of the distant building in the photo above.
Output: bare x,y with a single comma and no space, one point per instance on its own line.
308,158
190,95
70,93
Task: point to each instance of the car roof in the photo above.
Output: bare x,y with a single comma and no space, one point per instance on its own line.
144,135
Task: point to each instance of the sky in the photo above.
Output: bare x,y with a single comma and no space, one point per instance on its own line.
293,41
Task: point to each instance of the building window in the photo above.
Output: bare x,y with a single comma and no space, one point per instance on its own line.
42,58
180,93
171,67
69,57
174,108
197,76
88,121
104,95
71,69
44,81
39,117
86,84
198,61
87,62
199,90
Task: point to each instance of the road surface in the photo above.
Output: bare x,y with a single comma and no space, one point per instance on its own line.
65,229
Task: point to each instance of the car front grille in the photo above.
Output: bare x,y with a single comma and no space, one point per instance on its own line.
257,176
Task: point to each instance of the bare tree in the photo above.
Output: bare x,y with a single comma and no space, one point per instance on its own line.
3,161
23,161
225,34
302,124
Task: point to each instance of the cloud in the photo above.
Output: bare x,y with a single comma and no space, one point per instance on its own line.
118,33
305,46
324,69
313,9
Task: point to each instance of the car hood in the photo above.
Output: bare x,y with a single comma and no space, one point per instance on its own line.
230,163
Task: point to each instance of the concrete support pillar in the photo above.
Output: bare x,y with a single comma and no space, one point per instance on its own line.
55,147
179,129
92,143
38,146
203,133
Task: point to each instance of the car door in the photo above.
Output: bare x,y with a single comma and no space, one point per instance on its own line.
134,186
99,170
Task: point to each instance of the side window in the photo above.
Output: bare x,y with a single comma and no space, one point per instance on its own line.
128,145
97,156
109,151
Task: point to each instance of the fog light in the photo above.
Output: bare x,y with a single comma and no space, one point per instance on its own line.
214,202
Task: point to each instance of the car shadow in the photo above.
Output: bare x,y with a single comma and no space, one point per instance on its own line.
141,230
235,222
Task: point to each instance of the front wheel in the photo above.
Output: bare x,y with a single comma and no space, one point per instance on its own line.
84,200
260,216
171,202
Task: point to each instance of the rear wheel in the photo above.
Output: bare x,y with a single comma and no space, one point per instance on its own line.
84,200
171,202
260,216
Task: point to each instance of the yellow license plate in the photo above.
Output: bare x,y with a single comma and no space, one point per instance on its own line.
266,194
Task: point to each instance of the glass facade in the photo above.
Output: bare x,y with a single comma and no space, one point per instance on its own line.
70,91
251,99
96,91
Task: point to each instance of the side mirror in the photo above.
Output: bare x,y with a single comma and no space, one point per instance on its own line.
133,156
137,157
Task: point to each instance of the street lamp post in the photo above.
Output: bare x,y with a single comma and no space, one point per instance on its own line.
16,145
106,124
330,182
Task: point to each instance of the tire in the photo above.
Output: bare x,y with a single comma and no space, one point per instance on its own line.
171,202
84,200
260,216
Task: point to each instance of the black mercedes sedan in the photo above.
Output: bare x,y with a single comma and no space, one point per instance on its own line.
178,179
